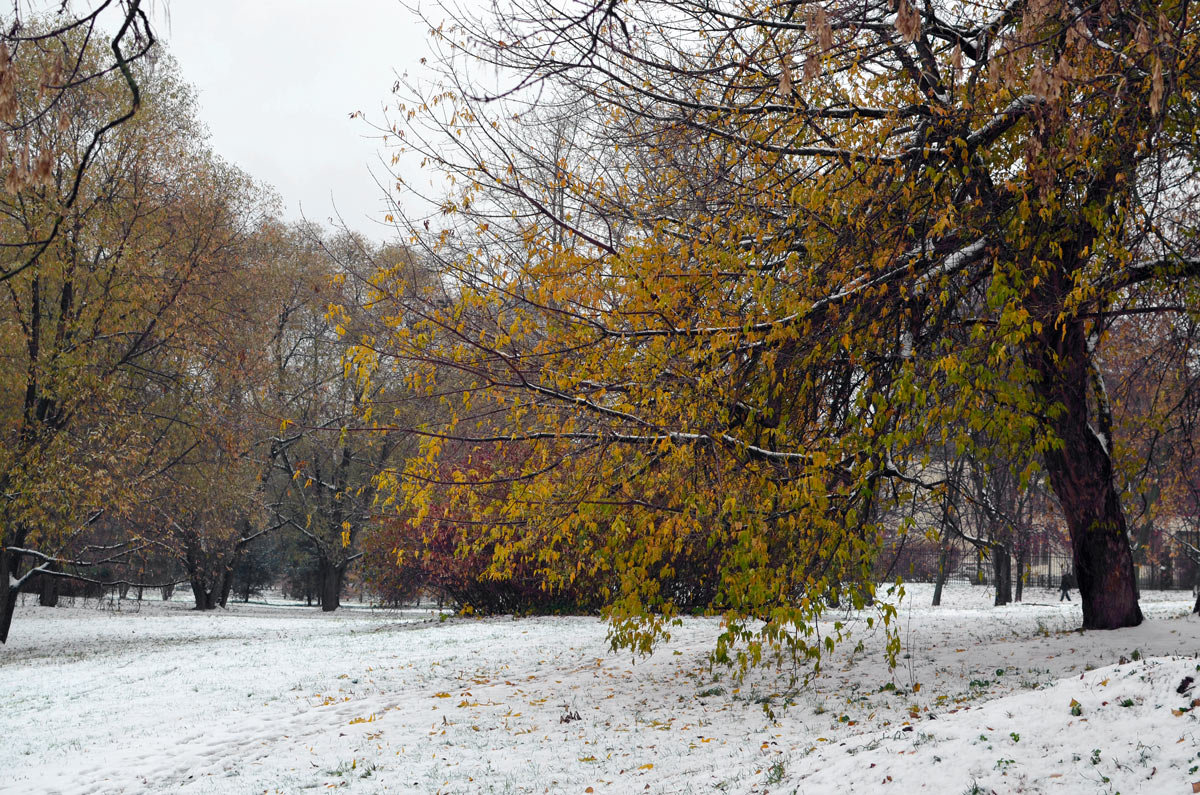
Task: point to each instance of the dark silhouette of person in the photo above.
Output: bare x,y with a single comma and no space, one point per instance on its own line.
1064,587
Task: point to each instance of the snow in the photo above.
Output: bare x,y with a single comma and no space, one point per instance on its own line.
264,698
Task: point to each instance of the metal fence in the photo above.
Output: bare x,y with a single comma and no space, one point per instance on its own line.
1040,571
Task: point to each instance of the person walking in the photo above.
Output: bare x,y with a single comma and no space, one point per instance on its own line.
1065,586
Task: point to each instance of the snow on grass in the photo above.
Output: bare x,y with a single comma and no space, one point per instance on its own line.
284,699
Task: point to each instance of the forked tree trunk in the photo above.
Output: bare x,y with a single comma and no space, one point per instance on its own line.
206,598
1081,474
331,585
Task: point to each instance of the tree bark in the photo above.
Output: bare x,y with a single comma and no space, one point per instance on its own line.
331,584
943,561
9,569
1002,570
47,590
206,599
226,585
1022,553
1081,473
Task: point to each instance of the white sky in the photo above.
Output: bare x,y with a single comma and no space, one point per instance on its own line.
278,80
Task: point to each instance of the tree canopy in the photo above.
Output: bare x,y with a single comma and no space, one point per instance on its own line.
720,278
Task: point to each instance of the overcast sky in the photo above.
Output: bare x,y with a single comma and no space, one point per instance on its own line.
278,80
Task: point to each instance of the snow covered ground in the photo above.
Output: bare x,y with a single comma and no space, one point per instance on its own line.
285,699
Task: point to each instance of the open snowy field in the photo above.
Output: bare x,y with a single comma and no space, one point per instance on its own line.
284,699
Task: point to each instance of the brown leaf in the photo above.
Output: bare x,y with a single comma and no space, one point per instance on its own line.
812,67
785,78
823,29
1142,39
908,21
1156,88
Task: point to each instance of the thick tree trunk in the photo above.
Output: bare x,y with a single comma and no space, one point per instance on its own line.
47,590
331,585
1002,570
9,570
205,599
1081,473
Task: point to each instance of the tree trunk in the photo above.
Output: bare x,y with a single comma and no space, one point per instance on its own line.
9,569
943,561
331,584
1022,553
1081,473
243,528
226,586
1196,586
1002,569
205,599
48,590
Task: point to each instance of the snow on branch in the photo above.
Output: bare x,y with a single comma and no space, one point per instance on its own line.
951,263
